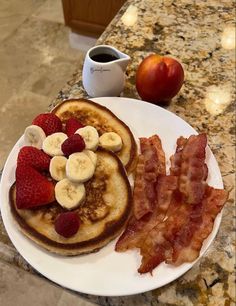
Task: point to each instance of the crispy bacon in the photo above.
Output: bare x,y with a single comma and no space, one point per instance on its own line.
133,234
199,227
154,250
182,215
132,237
176,159
160,155
151,163
156,246
144,196
188,163
191,167
179,239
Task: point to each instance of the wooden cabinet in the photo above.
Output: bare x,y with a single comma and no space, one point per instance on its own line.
90,17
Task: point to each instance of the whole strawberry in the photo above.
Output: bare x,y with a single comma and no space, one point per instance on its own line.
32,188
67,224
31,156
72,125
49,122
72,144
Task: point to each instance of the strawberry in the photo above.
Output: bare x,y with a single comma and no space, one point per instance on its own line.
72,125
67,224
49,122
31,156
32,188
72,144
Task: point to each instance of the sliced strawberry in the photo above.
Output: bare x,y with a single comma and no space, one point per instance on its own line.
72,144
49,122
67,224
32,188
72,125
31,156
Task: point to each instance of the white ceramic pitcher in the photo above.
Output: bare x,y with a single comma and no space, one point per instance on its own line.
104,71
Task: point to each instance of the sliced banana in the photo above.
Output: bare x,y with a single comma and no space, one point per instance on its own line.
34,136
52,144
79,167
68,194
92,156
90,137
111,141
57,167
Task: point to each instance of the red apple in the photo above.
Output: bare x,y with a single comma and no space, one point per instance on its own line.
159,78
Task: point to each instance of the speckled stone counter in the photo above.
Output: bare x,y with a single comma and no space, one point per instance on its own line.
197,33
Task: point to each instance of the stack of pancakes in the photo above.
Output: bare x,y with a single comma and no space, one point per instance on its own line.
108,193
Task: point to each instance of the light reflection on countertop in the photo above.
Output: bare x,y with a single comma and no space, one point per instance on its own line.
228,38
217,99
130,16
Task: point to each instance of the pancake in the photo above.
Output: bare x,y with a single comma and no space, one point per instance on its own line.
103,214
91,113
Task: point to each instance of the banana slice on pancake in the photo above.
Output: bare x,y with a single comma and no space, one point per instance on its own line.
90,137
68,194
111,141
57,167
52,143
91,155
34,136
79,167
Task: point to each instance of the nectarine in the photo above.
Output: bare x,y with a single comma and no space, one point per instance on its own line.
159,79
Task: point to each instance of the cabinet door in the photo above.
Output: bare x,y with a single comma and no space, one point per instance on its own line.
90,16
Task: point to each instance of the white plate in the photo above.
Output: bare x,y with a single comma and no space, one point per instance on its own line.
107,272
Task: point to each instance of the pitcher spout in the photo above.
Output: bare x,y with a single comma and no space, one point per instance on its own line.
123,60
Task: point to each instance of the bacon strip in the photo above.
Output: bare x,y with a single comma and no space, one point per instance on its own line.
144,189
156,246
192,173
136,230
155,146
199,227
151,163
144,196
179,239
176,159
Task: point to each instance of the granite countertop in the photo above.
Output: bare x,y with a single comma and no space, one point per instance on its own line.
197,33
